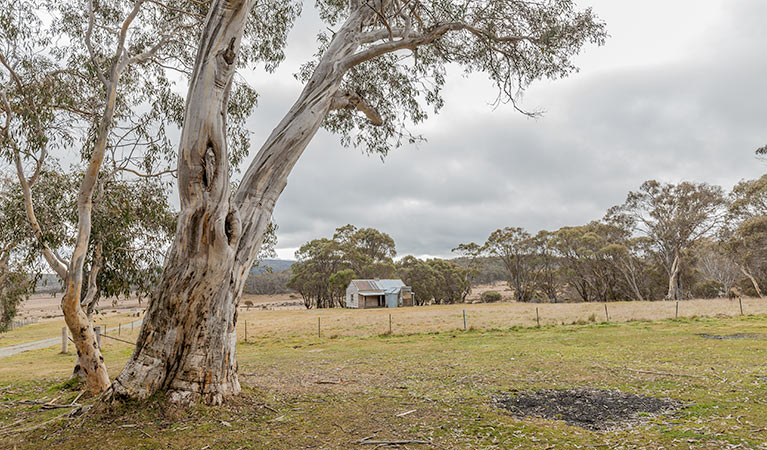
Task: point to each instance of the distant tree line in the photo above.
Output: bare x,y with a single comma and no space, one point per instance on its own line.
268,283
666,241
325,267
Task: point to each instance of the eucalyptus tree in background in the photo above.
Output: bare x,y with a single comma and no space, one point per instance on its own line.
49,90
18,271
516,248
384,60
747,222
471,253
673,217
324,267
96,77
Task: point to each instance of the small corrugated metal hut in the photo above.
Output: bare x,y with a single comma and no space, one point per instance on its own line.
365,294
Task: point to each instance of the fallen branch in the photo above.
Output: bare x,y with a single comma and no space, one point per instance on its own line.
78,397
34,427
405,413
399,442
329,382
665,374
269,408
46,405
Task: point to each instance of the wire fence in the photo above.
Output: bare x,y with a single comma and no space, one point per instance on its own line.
265,324
280,324
21,323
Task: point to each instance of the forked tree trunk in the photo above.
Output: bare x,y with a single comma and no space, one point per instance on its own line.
186,346
753,280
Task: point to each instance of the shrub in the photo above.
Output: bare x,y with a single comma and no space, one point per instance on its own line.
707,289
491,296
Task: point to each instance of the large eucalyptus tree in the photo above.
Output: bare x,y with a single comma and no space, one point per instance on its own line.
96,77
673,217
384,60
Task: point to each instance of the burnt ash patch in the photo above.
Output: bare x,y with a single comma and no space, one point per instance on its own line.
727,337
592,409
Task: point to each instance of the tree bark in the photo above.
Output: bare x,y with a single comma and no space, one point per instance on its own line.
673,280
186,346
187,341
753,280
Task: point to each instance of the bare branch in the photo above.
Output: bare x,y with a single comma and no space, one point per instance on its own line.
124,35
153,175
413,42
57,263
141,57
176,10
352,100
89,42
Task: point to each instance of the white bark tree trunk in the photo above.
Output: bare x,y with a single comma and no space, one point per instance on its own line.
187,342
753,280
674,290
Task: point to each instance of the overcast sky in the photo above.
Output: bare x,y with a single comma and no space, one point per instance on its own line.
678,93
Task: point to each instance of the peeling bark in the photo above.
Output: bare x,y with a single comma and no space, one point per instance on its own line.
187,342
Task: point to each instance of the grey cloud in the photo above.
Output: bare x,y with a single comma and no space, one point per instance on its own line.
699,118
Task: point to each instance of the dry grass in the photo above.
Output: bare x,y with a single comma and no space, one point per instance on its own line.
47,306
330,393
49,328
435,318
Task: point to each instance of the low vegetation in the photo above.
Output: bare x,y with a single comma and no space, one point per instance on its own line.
443,388
672,241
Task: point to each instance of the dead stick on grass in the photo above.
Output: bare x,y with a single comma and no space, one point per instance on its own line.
341,428
78,397
45,405
667,374
403,442
34,427
11,425
270,408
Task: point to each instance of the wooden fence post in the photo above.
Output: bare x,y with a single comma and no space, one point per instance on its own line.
64,340
119,326
676,314
607,315
464,320
537,317
319,327
389,323
246,331
97,330
740,300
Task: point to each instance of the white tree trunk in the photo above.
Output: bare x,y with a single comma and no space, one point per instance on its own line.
674,290
753,281
187,342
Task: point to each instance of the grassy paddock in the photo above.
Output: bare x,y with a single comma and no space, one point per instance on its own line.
48,328
301,391
370,322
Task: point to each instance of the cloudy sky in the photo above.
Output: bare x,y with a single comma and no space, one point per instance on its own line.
679,92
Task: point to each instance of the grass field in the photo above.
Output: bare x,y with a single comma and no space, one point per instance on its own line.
301,391
48,328
371,322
